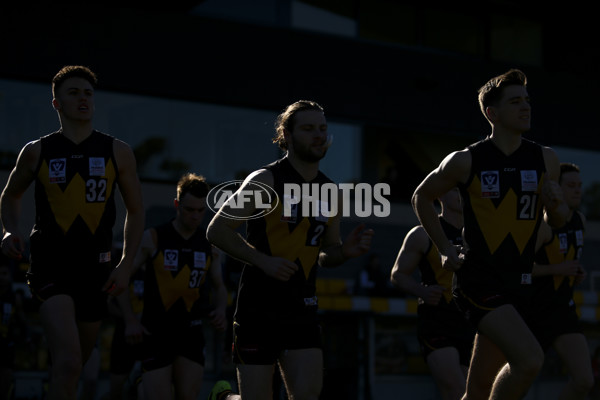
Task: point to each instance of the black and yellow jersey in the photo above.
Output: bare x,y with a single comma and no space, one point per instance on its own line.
502,213
430,266
175,290
293,236
566,244
74,197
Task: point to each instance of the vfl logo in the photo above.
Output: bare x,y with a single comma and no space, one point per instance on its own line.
57,171
171,260
490,184
261,196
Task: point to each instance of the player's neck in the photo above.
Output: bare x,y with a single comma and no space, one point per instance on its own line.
182,230
506,141
308,170
76,131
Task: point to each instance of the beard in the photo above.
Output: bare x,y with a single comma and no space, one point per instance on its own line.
308,153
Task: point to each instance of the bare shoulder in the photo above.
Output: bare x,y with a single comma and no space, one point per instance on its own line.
261,175
121,148
417,238
29,156
124,155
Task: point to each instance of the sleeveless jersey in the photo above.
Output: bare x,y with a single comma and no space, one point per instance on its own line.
430,266
74,197
175,289
566,244
296,238
502,212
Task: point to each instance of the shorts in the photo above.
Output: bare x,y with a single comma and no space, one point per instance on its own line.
122,354
440,327
551,322
160,348
475,306
88,297
262,344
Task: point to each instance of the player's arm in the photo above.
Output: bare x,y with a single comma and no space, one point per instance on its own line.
219,292
556,210
222,232
131,192
333,251
133,328
454,169
13,243
411,253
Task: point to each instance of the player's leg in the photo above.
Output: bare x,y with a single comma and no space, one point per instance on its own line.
187,378
62,335
486,361
302,373
575,354
505,328
448,374
255,381
157,383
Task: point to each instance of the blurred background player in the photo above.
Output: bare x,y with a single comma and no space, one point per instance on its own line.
557,269
179,265
445,335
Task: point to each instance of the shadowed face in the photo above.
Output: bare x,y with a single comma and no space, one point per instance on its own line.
309,136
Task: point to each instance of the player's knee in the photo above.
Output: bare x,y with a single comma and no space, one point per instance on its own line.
67,368
530,366
308,392
583,383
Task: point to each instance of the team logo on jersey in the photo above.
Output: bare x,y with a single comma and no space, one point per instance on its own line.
529,180
490,184
199,259
57,170
171,260
563,243
97,166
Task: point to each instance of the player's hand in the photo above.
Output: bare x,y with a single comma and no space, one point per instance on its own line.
218,320
452,258
279,268
432,294
358,242
117,282
13,245
134,332
552,194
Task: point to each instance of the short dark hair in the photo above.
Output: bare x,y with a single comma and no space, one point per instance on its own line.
193,184
71,71
566,167
491,92
285,120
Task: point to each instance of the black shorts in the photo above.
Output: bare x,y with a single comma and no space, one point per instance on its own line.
122,354
161,347
88,297
476,304
262,344
439,327
548,323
